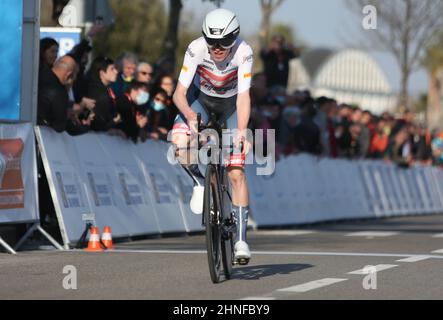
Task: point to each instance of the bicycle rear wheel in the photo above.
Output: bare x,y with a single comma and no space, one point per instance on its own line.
211,208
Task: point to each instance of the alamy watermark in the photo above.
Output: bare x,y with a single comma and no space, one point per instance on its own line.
259,140
369,21
370,281
70,280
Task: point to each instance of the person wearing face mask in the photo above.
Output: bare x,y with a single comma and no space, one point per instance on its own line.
54,106
159,115
132,107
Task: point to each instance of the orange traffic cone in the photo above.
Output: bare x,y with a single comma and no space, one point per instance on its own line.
107,238
94,241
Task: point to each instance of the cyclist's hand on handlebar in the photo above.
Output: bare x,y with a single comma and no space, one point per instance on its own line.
241,140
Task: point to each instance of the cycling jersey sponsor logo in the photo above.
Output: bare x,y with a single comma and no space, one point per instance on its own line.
248,58
185,68
190,53
208,62
216,31
248,75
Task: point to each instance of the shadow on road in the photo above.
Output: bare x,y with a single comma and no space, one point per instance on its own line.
258,272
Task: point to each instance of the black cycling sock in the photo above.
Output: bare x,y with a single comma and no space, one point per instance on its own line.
241,220
195,173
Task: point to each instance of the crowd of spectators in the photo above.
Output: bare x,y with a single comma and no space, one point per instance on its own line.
123,97
130,99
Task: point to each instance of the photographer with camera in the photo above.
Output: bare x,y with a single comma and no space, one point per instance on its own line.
276,61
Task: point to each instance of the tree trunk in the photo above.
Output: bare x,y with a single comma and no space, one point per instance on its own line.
167,60
434,111
265,28
405,63
404,90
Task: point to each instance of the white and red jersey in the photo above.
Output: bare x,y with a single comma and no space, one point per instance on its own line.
218,79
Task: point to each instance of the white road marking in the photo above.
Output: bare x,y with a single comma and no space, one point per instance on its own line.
372,234
438,251
258,298
283,232
273,253
312,285
414,259
438,235
378,268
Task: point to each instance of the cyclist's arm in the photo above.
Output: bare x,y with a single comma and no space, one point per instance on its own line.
243,109
182,104
244,86
190,64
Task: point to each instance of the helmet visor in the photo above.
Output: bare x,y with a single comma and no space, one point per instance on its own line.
225,43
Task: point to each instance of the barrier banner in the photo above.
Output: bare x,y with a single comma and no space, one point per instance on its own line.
18,174
135,190
131,188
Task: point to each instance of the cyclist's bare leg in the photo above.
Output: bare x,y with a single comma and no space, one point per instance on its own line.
240,191
240,208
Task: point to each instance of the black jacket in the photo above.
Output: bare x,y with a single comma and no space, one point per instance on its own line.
277,66
128,111
53,105
105,105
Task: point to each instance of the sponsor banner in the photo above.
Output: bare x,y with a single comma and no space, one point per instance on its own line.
18,177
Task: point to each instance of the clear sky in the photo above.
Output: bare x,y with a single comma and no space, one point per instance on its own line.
319,23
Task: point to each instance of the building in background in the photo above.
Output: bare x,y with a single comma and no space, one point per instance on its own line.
349,76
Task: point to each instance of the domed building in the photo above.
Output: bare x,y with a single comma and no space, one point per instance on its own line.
349,76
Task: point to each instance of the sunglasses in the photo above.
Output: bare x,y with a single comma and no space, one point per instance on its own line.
146,73
225,43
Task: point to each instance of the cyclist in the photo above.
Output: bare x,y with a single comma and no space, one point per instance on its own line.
216,78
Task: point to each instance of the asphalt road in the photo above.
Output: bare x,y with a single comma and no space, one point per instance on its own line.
315,262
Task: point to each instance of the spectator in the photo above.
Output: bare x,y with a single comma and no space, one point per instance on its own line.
364,136
437,149
380,141
159,115
259,90
342,131
145,73
307,134
102,74
54,108
276,61
399,150
81,53
322,122
167,83
132,107
127,65
48,52
287,133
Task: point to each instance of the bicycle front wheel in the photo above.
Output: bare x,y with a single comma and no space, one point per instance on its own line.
212,211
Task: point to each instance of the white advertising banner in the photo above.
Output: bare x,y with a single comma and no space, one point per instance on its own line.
18,174
136,191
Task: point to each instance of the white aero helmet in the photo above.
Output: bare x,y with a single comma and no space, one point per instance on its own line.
221,28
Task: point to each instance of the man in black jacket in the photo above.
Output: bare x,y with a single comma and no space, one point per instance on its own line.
102,74
276,60
54,108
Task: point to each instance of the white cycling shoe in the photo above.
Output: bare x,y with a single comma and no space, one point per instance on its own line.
197,199
242,254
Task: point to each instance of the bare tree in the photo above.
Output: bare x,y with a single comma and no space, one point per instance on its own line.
268,7
434,64
167,60
405,29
